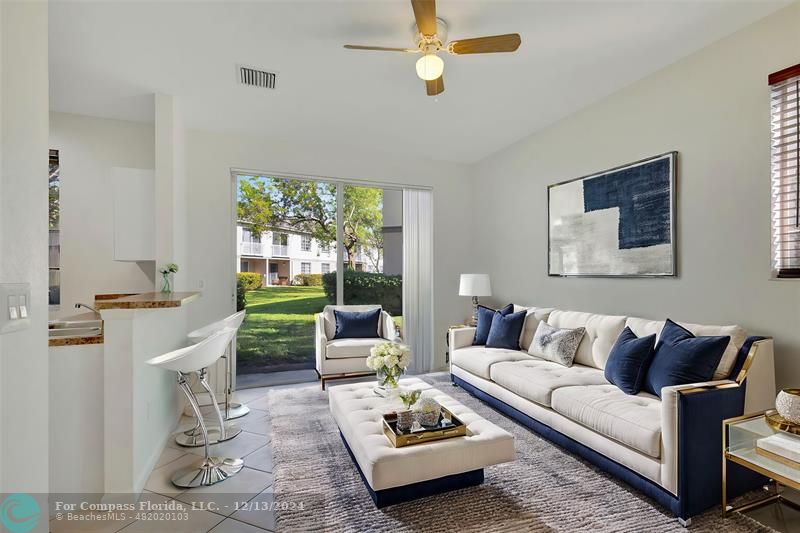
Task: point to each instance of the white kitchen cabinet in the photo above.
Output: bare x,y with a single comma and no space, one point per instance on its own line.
134,214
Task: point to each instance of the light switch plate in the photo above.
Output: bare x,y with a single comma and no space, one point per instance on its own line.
14,302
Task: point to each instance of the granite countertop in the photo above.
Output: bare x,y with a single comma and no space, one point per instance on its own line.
75,341
145,300
78,340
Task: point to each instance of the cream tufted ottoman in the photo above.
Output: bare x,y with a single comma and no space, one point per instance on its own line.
394,475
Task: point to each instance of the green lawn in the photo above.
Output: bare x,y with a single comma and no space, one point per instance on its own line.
278,332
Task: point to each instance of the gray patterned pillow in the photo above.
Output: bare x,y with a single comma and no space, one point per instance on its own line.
554,344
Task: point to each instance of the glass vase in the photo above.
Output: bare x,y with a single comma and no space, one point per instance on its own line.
166,288
388,377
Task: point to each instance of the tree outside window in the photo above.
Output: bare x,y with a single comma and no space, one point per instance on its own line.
310,207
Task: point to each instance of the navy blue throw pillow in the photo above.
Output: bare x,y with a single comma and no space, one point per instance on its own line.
682,358
485,316
357,324
505,330
629,360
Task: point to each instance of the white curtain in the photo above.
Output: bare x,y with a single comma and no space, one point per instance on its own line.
418,278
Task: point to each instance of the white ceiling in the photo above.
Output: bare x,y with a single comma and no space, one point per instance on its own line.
107,56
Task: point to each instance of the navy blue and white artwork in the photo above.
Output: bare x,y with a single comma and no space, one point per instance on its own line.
620,222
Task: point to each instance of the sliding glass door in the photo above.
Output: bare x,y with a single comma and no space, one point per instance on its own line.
303,244
293,223
372,240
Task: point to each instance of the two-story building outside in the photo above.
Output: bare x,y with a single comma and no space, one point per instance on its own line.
279,254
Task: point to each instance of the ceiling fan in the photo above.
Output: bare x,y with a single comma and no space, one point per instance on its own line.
430,36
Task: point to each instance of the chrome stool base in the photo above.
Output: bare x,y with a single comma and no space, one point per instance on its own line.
209,472
193,438
236,410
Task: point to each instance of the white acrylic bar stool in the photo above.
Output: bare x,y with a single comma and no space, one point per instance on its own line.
232,410
197,358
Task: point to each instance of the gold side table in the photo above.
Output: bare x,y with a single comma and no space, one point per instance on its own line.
739,436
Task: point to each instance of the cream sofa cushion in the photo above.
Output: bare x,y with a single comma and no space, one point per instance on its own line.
344,348
535,379
631,420
330,318
643,327
479,359
601,334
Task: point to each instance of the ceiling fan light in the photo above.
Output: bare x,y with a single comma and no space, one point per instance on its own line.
430,67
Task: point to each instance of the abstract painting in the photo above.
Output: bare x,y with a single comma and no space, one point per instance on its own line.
620,222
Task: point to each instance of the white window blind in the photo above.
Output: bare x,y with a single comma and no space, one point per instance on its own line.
785,125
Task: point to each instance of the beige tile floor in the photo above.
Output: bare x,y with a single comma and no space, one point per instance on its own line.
207,509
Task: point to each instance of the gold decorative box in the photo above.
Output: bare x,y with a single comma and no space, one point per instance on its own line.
399,438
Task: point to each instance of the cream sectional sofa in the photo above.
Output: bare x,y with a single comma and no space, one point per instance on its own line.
668,447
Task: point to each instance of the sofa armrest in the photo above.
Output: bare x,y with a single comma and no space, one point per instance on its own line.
320,341
461,337
691,440
388,329
757,369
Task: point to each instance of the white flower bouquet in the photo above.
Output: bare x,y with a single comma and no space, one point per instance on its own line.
389,360
166,270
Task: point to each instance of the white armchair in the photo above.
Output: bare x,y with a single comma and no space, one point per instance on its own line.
345,358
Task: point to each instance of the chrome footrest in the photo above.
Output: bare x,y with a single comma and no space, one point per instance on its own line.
194,437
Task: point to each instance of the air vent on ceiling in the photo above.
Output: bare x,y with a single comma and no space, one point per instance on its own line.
257,78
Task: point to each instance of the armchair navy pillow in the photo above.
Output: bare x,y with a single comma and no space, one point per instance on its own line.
682,358
505,330
485,316
629,360
357,324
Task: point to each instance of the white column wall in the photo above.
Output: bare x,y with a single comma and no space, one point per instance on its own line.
24,385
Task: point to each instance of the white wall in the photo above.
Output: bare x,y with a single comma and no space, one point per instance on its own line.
713,108
210,157
23,240
76,416
171,193
88,149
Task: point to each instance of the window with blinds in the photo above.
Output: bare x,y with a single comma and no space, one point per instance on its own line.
785,125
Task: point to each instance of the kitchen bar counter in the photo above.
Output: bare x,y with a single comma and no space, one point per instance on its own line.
146,300
141,406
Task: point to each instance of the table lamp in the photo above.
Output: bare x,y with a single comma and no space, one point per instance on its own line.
475,285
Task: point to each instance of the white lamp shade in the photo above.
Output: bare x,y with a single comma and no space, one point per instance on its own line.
475,285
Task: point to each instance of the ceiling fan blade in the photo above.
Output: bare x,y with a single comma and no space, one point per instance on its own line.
425,13
435,87
486,45
381,48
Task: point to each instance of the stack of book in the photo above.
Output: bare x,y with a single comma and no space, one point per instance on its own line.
781,447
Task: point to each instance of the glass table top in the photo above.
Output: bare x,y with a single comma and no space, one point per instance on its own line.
741,444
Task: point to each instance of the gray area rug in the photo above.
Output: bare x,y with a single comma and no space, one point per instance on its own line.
318,488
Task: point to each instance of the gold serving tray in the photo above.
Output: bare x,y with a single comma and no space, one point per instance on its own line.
400,439
776,421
